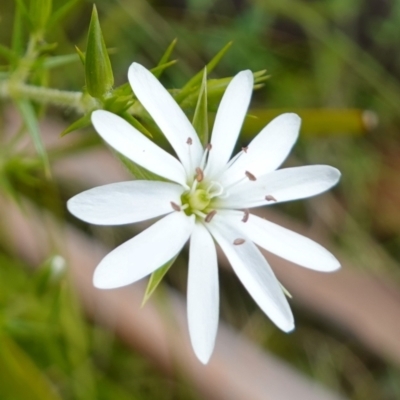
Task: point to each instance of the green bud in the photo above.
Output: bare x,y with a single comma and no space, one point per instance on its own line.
40,11
98,71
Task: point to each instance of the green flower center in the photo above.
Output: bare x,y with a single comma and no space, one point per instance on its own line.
198,200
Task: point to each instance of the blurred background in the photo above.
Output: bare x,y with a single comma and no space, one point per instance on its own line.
334,62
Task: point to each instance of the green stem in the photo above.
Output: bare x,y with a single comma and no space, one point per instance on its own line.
73,100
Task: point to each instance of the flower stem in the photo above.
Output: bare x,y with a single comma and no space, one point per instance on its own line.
73,100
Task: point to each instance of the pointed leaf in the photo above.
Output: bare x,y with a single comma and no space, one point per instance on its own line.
61,12
82,122
198,77
134,122
98,71
81,55
164,59
155,279
28,115
200,119
39,12
17,42
157,71
60,61
137,171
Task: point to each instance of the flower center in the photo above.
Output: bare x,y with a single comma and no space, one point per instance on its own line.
199,200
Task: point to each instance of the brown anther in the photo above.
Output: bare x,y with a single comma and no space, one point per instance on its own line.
250,176
268,197
244,149
246,215
210,216
209,146
189,141
175,206
238,241
199,174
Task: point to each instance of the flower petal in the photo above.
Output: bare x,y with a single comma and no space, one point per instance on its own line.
267,150
125,202
284,242
146,252
281,185
202,293
253,271
168,116
229,120
128,141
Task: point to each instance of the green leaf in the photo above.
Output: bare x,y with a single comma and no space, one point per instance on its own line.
82,122
134,122
17,41
62,11
200,118
137,171
81,55
198,77
157,71
59,61
155,279
20,378
164,59
39,12
28,115
98,71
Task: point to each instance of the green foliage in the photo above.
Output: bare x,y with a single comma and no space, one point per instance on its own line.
155,279
320,69
39,12
98,71
200,118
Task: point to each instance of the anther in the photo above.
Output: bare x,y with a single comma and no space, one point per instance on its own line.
238,241
246,215
210,216
209,146
189,141
244,149
250,176
268,197
199,174
175,206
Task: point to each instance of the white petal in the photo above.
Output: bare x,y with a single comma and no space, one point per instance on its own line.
146,252
128,141
283,185
284,242
202,293
168,116
267,150
254,272
125,202
229,120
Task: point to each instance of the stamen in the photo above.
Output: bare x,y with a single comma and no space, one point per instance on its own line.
210,215
238,241
244,149
199,214
246,215
189,141
199,174
250,176
209,146
175,206
268,197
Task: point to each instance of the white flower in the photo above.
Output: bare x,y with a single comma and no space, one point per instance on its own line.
206,200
